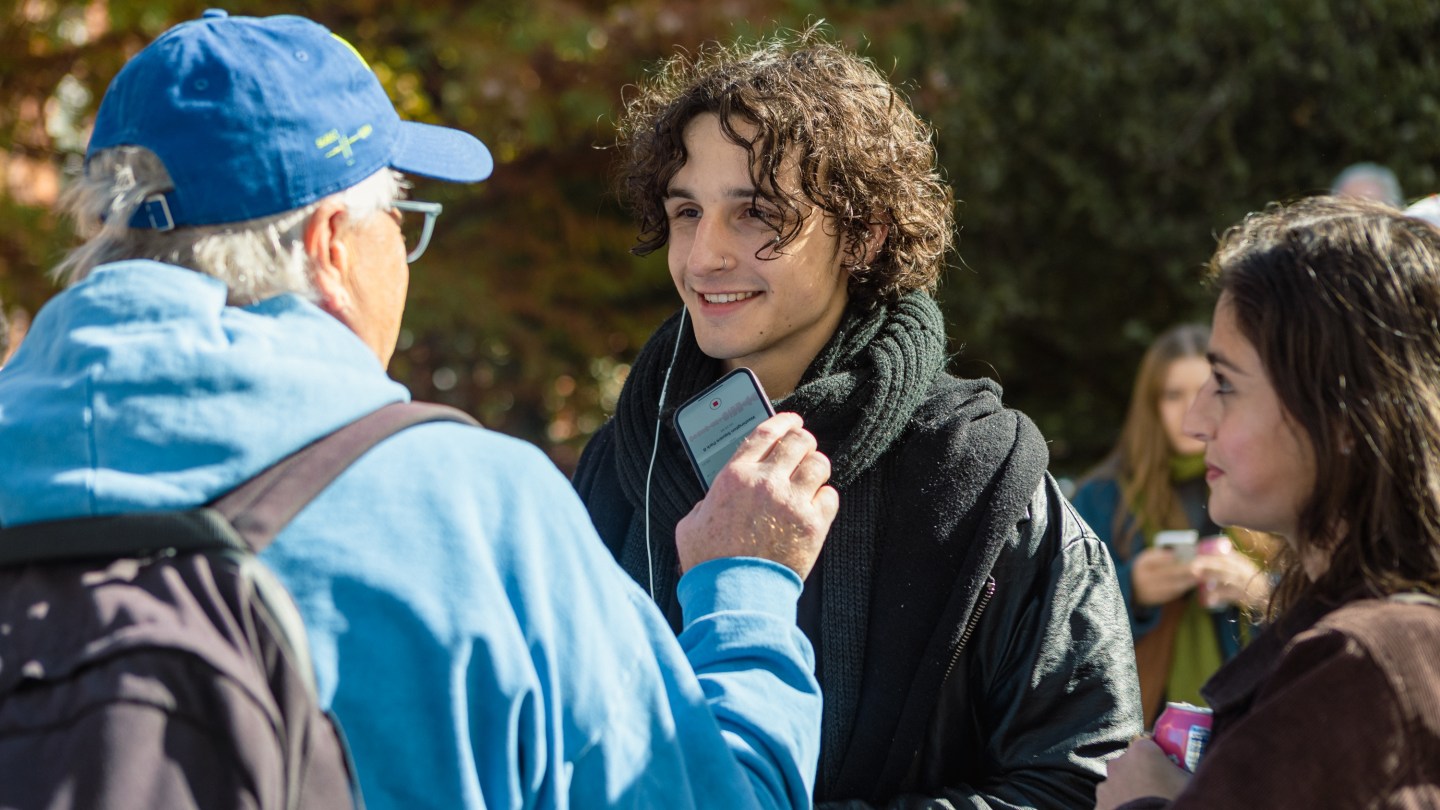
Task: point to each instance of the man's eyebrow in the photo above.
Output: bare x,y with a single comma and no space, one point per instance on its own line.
736,193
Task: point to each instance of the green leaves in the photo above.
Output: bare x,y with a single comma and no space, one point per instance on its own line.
1097,149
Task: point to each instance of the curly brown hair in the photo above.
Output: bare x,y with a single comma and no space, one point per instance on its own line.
864,157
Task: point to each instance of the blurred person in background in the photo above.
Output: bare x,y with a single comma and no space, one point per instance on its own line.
1321,425
1368,181
1188,607
1426,208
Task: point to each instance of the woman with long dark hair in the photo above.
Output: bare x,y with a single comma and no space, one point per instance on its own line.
1321,424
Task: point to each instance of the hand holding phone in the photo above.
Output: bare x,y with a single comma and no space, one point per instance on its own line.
1181,542
1162,573
712,423
770,501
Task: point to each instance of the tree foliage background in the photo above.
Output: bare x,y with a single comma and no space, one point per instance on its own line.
1097,149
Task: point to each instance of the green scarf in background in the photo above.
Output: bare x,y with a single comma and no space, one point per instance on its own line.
1197,650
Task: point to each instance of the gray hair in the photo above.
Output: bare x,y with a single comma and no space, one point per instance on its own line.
1385,183
257,258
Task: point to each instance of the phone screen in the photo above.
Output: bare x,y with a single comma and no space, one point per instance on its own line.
1181,541
713,422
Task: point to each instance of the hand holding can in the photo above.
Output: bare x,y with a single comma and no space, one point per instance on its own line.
1182,731
1215,544
1212,546
1225,577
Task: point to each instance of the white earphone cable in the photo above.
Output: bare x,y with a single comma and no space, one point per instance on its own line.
655,447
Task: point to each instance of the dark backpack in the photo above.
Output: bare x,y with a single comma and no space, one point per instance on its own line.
152,661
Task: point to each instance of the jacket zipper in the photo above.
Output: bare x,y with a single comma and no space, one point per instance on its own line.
984,600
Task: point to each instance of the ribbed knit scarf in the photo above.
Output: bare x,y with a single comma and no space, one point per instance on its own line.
857,397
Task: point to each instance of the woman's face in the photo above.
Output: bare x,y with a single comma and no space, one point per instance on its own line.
1260,467
1182,383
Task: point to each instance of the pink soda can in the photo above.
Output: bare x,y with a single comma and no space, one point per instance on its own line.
1182,732
1216,544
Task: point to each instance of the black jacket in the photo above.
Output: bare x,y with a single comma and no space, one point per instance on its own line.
995,664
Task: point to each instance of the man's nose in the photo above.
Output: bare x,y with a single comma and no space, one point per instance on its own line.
711,250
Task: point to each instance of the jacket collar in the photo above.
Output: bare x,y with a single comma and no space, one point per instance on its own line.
1232,689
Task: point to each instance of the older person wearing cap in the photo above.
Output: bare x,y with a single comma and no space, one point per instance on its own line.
1368,181
239,295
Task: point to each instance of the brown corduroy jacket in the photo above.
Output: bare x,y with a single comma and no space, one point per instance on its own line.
1329,709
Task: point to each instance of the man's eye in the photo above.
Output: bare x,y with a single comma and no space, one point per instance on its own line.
764,215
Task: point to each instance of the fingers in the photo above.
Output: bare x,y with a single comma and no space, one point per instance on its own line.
811,470
763,438
1160,560
1231,579
771,500
795,453
1231,568
791,448
827,502
782,441
1159,578
1146,746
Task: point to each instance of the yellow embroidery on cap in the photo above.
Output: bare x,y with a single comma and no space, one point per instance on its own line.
351,48
343,143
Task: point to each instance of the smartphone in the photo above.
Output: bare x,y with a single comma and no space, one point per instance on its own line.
1181,541
712,423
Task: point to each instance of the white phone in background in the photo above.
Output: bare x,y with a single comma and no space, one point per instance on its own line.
1181,541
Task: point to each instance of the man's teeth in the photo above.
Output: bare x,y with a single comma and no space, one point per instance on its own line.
727,298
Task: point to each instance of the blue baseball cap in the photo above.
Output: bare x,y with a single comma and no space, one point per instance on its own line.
254,116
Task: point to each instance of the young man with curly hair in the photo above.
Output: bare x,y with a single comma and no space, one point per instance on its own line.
972,646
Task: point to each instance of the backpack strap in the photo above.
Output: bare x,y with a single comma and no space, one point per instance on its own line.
117,536
246,518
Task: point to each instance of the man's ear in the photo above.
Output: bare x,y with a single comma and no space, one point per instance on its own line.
875,240
331,260
870,248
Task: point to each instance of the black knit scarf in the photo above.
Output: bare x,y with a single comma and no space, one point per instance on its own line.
857,397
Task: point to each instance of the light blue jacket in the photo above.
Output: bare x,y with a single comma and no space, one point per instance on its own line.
477,641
